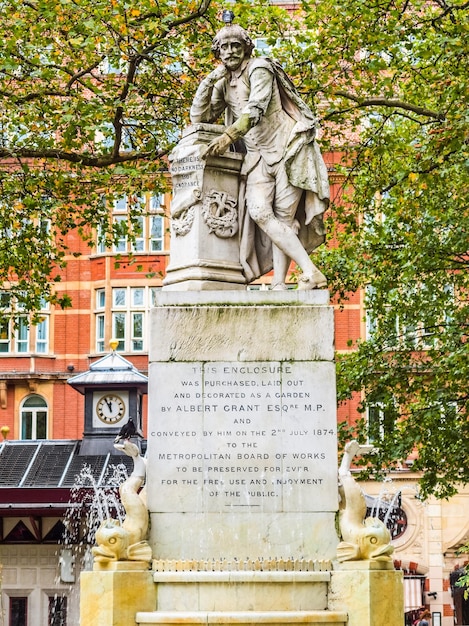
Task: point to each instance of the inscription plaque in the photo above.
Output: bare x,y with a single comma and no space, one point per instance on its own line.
257,436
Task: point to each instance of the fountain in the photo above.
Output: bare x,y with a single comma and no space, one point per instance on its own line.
242,480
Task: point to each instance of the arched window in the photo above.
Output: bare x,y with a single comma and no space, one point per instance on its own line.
34,418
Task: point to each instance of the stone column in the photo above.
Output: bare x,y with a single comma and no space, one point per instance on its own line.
112,593
372,593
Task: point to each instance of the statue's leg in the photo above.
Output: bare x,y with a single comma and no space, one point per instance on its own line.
268,191
281,264
287,198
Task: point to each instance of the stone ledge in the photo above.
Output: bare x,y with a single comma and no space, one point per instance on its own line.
261,565
315,297
372,566
121,566
337,618
241,577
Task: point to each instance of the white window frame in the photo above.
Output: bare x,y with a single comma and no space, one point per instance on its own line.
42,336
381,415
138,245
128,313
17,335
34,410
100,332
150,225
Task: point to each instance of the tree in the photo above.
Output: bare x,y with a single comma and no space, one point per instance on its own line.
94,94
394,79
92,97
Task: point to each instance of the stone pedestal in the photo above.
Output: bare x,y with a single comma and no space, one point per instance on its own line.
242,468
204,215
371,593
111,595
242,426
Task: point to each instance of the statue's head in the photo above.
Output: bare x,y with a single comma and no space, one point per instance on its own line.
232,32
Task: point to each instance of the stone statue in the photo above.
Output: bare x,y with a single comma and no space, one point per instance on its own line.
127,541
362,539
286,188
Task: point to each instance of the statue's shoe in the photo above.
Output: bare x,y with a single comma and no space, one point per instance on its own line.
316,280
279,287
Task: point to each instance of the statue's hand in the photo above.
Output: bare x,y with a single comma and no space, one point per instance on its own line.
218,146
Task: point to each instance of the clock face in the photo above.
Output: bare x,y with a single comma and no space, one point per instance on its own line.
110,408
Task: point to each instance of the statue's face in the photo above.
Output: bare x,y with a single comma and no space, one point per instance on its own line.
232,52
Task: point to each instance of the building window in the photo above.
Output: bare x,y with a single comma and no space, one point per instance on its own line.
156,233
57,611
146,225
14,335
136,332
381,420
139,231
22,335
100,298
18,611
128,315
120,222
100,332
405,331
100,319
119,296
118,329
42,336
17,334
34,418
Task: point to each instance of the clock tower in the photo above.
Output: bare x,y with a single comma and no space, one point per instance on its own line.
113,390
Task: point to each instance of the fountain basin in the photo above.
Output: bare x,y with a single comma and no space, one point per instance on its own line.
228,591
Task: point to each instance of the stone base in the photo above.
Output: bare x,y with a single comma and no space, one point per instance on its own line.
230,591
243,597
371,597
112,598
242,426
266,618
204,275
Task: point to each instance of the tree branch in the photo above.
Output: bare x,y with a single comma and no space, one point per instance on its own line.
391,103
199,12
73,157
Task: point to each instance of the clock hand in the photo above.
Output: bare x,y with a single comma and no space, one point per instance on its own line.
109,404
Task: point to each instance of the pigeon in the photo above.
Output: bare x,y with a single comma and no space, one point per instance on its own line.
127,431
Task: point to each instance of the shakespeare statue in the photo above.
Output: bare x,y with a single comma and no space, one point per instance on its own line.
284,184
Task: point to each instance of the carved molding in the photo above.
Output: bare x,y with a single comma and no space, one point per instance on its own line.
243,565
182,224
220,213
3,394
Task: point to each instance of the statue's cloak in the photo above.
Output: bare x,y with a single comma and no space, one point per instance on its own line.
305,169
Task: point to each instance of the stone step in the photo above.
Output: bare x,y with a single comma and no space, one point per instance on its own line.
266,618
252,590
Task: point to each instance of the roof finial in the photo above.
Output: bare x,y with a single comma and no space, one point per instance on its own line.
113,344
